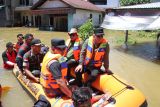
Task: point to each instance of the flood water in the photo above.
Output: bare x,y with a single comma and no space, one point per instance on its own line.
136,65
139,67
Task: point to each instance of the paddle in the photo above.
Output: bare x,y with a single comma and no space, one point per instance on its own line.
4,90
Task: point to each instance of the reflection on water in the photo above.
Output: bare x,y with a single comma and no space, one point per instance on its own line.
16,97
148,51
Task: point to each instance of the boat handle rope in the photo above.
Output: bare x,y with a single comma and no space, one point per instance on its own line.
120,91
127,86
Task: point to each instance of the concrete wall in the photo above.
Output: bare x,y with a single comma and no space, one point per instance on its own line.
53,4
34,1
81,16
110,4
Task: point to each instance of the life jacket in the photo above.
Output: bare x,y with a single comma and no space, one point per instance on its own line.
46,78
17,46
11,57
99,54
76,48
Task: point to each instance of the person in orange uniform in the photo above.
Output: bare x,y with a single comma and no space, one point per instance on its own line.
73,50
19,42
54,70
9,56
94,52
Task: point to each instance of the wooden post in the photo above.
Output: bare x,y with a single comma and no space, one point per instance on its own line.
126,40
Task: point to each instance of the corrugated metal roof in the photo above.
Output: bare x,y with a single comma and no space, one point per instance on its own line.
142,6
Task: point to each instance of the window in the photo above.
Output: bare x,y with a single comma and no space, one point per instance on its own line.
24,2
90,16
1,2
100,17
99,2
51,20
27,2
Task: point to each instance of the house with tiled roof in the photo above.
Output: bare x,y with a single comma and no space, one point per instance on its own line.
62,15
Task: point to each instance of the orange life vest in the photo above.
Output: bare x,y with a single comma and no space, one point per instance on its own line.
46,79
11,57
99,54
76,48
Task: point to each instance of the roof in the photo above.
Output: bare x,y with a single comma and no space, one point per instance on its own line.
154,5
79,4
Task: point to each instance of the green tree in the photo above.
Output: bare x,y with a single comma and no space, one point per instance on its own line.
86,30
133,2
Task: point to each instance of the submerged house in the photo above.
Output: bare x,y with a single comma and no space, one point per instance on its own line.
62,15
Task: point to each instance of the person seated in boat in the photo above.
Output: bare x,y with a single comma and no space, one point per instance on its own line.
54,70
94,52
32,61
82,97
25,47
19,42
9,56
73,50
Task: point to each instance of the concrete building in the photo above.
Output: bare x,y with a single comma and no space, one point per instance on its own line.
62,15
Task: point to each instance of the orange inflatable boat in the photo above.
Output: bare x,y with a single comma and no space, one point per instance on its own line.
123,95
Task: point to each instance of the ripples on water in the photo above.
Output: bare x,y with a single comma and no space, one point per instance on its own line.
148,51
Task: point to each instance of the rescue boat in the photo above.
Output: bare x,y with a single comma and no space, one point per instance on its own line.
123,94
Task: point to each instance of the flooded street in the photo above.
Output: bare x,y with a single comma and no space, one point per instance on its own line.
137,66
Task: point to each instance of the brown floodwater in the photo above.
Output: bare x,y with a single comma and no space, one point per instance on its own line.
138,66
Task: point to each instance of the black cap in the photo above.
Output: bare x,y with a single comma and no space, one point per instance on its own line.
20,35
9,44
36,42
98,31
28,36
59,43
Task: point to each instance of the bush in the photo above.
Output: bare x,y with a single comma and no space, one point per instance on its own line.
86,30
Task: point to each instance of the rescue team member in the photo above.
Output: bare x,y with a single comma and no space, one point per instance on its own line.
19,42
54,70
23,49
9,56
94,52
32,60
73,50
82,97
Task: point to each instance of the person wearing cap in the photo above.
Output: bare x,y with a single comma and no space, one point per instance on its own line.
94,53
54,70
73,50
25,47
32,61
9,56
19,42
